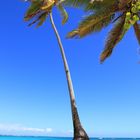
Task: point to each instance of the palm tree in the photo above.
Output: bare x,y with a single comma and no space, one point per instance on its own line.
101,13
38,12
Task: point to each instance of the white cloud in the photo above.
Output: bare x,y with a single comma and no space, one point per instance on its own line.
49,130
19,129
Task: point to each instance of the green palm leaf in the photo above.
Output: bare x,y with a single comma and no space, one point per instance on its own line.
63,13
77,3
96,5
137,31
93,23
39,10
42,19
32,10
115,35
103,13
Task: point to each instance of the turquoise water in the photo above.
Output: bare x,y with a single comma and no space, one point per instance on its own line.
56,138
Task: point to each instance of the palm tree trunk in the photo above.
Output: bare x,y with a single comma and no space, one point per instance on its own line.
79,132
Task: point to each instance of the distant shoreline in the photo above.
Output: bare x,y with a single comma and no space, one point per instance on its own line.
32,136
99,138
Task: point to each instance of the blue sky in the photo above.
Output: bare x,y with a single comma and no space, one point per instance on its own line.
33,90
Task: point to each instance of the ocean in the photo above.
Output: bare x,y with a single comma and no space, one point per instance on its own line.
57,138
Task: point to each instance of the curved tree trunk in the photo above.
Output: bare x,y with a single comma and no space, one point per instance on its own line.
79,132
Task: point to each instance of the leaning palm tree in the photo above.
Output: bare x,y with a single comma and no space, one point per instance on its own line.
37,13
123,13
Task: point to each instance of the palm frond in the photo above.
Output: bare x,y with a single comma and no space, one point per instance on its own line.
137,31
123,3
32,10
93,23
115,35
77,3
63,13
38,11
96,5
42,19
90,4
